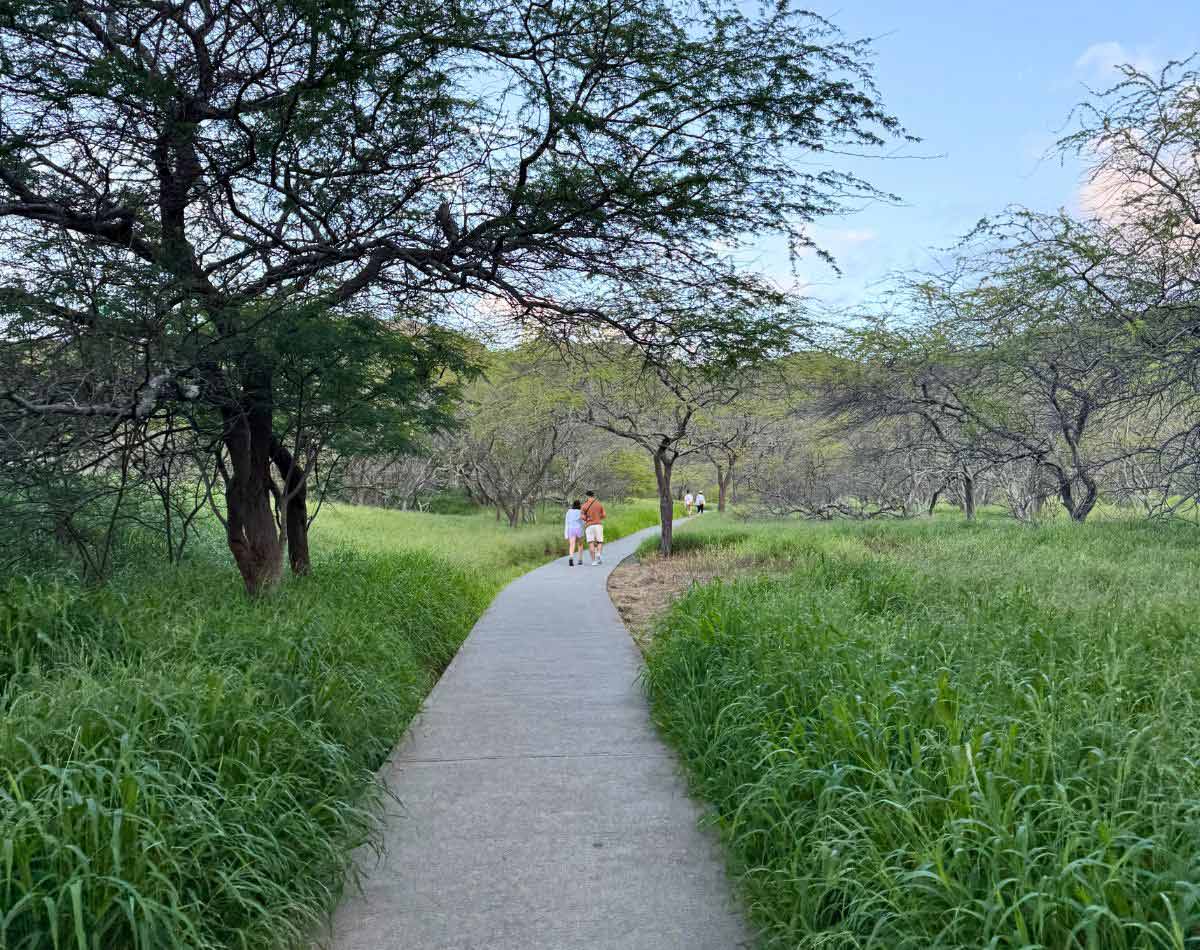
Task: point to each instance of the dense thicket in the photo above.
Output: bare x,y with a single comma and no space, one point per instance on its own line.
1058,356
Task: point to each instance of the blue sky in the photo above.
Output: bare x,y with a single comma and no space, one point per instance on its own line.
988,87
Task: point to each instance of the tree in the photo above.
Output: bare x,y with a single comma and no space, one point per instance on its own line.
404,480
519,428
342,384
1004,364
881,390
1140,249
353,386
825,471
245,162
89,446
729,431
662,407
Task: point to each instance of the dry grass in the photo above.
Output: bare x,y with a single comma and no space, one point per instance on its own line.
644,586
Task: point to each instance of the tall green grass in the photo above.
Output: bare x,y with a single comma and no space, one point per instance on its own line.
477,539
180,767
933,734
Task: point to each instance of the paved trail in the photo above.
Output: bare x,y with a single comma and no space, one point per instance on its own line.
539,810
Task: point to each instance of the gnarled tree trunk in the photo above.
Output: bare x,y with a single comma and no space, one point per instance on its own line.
295,501
1077,508
666,504
968,494
724,480
250,526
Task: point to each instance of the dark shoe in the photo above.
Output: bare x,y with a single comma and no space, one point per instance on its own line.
570,562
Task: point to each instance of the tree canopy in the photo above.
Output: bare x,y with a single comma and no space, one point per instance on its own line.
247,164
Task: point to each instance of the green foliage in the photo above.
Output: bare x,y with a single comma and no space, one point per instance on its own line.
368,385
182,767
632,469
451,502
947,735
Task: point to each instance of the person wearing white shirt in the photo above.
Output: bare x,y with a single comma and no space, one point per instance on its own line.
573,532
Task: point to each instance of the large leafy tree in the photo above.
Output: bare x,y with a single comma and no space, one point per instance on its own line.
349,385
251,160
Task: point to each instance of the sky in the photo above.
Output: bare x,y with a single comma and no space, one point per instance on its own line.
989,88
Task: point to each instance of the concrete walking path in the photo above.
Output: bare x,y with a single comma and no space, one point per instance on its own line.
538,808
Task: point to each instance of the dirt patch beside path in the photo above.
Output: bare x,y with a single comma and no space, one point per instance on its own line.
643,588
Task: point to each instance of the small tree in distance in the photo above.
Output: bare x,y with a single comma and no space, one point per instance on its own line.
517,431
675,401
731,431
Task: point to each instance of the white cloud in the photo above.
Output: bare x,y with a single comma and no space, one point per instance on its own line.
1100,60
1107,191
839,239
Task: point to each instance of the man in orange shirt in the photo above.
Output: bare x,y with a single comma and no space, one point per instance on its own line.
593,526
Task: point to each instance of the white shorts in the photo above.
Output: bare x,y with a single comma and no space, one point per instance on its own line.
595,532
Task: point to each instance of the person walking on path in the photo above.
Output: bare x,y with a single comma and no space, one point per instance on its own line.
593,520
573,532
700,503
687,500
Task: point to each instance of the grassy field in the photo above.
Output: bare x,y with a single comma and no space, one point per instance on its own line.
478,540
180,767
933,734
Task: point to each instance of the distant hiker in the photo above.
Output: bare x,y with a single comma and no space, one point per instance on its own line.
687,500
593,520
573,532
700,502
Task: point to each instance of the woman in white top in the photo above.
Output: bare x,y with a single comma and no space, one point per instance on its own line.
700,503
687,501
573,532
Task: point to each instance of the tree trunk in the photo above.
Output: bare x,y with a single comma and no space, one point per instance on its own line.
295,491
251,530
933,501
1082,508
968,495
724,479
666,504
